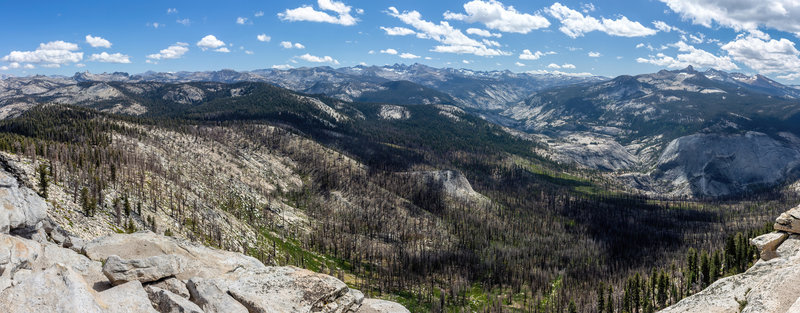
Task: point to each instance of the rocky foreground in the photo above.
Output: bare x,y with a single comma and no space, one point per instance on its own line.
771,285
45,269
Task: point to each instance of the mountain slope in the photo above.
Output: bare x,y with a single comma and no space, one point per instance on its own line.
664,124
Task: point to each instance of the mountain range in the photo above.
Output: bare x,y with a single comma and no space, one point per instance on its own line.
649,131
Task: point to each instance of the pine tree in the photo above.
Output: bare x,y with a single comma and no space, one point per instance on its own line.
43,181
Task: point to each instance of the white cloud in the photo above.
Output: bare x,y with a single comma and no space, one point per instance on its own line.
519,64
398,31
690,56
564,66
452,39
497,16
574,24
210,42
639,45
792,76
282,66
546,72
290,45
97,42
248,52
466,62
593,54
764,54
54,52
184,22
528,55
80,65
223,50
172,52
263,38
782,15
110,58
155,25
309,14
30,66
483,32
315,59
409,56
491,43
259,14
172,10
389,51
241,20
664,27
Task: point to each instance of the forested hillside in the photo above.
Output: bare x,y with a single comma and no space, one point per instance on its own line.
427,205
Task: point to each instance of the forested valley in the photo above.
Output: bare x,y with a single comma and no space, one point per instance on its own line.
443,213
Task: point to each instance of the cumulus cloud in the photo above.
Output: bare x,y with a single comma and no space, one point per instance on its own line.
110,58
172,52
782,15
241,20
172,10
764,54
184,22
389,51
593,54
309,14
497,16
263,38
54,52
483,32
409,56
519,64
574,24
223,50
452,39
282,66
398,31
259,14
664,27
556,72
528,55
315,59
290,45
210,42
690,56
97,42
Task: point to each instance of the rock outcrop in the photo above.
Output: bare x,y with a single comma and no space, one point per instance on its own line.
770,285
45,269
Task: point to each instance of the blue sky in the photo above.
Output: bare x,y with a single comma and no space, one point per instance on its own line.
578,37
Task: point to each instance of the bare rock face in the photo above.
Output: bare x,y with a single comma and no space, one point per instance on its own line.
167,302
276,289
212,297
172,285
21,207
57,288
381,306
768,243
789,221
156,267
197,260
126,298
